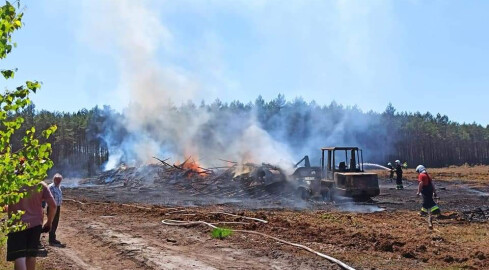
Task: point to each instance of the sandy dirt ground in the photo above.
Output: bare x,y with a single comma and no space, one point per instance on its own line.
120,228
115,236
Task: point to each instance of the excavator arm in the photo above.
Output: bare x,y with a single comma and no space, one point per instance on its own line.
307,164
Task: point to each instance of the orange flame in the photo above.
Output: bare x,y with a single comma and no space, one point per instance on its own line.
193,166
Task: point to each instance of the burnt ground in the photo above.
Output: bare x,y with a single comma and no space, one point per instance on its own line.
117,227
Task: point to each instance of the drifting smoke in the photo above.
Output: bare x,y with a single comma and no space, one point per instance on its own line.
152,125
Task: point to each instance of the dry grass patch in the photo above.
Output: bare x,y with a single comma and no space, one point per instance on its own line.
478,174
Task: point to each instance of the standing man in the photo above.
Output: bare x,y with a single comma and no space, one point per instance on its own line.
399,175
427,189
23,246
55,189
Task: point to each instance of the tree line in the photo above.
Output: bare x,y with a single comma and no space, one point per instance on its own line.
80,147
77,149
436,141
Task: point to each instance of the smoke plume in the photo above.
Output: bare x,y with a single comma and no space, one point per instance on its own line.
152,125
160,121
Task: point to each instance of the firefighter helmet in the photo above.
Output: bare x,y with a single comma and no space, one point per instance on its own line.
420,169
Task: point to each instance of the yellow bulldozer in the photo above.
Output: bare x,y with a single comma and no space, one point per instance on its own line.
341,174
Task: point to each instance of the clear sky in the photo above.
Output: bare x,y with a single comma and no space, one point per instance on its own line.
418,55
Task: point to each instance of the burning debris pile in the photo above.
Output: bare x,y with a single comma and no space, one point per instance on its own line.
188,168
127,176
235,180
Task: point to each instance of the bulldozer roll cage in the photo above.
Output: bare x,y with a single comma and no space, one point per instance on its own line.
356,158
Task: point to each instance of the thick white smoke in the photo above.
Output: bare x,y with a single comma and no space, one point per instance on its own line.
134,35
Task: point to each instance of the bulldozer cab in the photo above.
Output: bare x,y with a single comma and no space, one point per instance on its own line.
340,159
342,172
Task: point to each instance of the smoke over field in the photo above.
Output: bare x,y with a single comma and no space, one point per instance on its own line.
277,132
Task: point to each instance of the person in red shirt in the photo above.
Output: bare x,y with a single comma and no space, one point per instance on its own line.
426,188
23,246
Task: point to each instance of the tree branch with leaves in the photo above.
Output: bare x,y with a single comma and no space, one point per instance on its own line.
28,165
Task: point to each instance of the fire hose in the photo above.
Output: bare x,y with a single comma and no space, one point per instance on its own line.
171,222
243,217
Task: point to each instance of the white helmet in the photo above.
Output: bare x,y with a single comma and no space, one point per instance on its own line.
420,169
389,164
398,161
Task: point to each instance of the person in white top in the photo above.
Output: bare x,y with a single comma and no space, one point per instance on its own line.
55,189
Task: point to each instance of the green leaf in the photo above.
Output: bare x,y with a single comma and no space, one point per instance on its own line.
8,74
33,85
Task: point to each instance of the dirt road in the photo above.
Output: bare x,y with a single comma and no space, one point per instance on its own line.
112,236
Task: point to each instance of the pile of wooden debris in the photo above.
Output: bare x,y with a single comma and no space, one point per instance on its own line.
233,180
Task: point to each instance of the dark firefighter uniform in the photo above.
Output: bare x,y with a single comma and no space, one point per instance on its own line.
399,176
427,193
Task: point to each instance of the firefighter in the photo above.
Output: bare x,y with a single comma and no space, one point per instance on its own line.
426,188
399,175
391,171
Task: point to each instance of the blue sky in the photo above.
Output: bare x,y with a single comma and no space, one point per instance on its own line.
418,55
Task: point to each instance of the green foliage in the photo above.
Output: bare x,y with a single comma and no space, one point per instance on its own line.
10,225
221,233
8,73
22,164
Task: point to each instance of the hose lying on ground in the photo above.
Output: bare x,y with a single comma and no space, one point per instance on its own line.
233,215
176,210
171,222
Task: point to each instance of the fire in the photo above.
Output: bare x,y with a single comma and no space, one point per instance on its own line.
191,166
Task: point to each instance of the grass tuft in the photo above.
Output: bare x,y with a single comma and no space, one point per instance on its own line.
221,233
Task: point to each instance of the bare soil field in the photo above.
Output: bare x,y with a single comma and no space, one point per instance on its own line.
116,227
